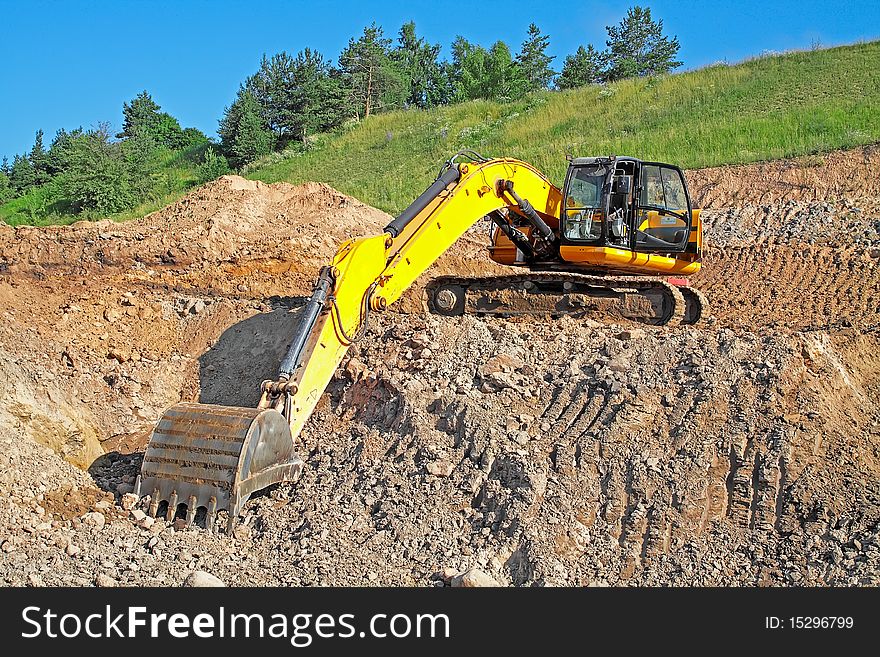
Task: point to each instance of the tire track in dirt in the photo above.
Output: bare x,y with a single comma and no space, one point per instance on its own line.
793,287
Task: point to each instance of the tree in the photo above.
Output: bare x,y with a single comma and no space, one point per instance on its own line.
317,100
168,132
6,191
21,175
585,66
142,118
425,77
139,116
637,46
297,96
56,158
39,160
272,88
102,176
534,61
489,74
193,137
372,80
213,166
244,135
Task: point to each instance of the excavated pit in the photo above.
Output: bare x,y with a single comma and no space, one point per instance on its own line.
740,452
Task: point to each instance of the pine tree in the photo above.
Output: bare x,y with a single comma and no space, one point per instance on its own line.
272,87
57,157
534,61
585,66
21,175
39,160
317,100
425,77
637,46
6,191
297,96
244,135
143,119
140,116
373,81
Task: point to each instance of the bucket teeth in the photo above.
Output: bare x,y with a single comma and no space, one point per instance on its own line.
191,510
212,514
172,507
154,502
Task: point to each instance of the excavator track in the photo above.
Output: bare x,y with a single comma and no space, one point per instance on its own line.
645,299
696,305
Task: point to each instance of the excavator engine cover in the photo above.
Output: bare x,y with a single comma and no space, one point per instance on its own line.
215,457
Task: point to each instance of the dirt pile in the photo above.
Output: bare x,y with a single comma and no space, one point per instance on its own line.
745,451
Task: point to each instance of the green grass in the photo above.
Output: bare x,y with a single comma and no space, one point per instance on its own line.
766,108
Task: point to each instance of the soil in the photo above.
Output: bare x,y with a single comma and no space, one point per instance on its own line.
743,451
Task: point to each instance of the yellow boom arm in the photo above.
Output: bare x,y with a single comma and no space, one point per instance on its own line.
369,273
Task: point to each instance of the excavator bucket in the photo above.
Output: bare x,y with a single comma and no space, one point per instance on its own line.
215,457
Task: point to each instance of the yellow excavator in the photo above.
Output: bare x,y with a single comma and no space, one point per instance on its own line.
618,240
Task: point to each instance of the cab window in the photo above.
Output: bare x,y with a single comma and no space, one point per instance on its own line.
663,187
662,222
583,203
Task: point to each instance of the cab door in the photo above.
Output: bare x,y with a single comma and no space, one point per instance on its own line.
662,220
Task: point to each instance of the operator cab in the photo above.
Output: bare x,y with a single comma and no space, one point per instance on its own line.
625,203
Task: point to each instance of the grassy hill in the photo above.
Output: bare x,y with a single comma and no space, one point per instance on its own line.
766,108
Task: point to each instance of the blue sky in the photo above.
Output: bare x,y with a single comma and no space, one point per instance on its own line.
66,64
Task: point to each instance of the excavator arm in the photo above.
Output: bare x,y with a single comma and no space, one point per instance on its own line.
370,273
215,457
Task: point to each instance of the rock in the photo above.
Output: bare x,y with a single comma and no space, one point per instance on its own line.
440,468
129,500
618,366
201,579
118,354
501,363
474,578
631,334
94,519
448,573
105,581
147,522
496,381
521,438
34,580
72,550
242,532
112,315
138,515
